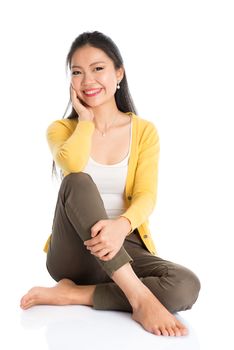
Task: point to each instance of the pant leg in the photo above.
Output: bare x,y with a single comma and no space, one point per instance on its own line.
79,206
174,285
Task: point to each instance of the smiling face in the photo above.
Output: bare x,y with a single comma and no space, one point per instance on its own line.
94,76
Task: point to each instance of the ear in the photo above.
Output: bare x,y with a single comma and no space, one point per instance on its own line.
120,73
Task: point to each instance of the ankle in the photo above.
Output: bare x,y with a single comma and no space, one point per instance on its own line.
135,290
140,297
84,295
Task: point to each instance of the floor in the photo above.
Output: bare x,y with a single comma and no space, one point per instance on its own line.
77,327
73,327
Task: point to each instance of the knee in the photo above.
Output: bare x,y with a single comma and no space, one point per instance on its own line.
76,183
185,290
77,178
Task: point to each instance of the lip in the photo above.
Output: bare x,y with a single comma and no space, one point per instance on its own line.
95,92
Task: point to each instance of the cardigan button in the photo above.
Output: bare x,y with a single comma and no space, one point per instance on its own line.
145,236
129,198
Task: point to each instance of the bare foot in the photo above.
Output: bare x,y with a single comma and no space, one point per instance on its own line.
61,294
155,318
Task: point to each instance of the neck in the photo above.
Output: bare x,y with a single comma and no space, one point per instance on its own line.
104,114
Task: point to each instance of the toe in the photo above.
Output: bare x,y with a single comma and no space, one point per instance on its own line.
184,331
164,331
26,302
23,301
177,332
157,331
171,332
182,328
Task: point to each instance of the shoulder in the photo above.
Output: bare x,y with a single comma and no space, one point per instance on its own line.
62,125
145,128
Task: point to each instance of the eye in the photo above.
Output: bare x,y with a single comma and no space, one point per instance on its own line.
76,72
99,68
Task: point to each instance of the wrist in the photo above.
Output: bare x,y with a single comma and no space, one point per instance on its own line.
127,227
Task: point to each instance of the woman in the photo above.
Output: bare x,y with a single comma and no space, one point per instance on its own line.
101,251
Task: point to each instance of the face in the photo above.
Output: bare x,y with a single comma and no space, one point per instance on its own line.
94,76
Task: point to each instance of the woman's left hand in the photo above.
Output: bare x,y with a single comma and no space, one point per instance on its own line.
108,237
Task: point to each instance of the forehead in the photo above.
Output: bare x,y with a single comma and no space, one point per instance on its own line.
86,55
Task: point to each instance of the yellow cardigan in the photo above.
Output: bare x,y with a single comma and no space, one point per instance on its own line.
70,143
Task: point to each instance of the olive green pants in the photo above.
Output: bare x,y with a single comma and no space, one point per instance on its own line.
79,206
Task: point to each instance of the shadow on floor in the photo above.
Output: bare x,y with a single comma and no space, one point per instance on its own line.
73,327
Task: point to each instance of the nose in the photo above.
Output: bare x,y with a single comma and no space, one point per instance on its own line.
87,78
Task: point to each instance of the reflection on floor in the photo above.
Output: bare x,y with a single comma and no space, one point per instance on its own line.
77,327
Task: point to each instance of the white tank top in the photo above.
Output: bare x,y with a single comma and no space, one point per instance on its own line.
111,181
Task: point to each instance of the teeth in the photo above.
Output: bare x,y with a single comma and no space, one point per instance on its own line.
91,92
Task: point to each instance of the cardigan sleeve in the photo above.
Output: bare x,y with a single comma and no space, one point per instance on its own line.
146,179
70,147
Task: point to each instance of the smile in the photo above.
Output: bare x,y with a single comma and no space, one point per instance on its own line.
91,93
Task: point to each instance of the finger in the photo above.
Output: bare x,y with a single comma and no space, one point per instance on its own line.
96,228
108,257
72,93
76,102
96,248
94,232
101,253
91,242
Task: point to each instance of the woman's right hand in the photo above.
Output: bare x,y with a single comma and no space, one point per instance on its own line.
84,112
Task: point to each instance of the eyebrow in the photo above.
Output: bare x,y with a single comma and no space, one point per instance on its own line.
92,64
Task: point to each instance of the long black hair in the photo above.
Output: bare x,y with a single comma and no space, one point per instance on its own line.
98,40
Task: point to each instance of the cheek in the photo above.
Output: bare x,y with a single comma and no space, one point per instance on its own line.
110,82
76,85
75,82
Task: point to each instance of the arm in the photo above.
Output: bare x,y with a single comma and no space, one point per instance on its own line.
104,243
146,179
70,147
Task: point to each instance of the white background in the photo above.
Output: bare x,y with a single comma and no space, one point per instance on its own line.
179,62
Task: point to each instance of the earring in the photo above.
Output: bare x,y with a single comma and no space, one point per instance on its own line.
118,86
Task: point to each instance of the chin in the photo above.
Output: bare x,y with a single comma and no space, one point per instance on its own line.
94,104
